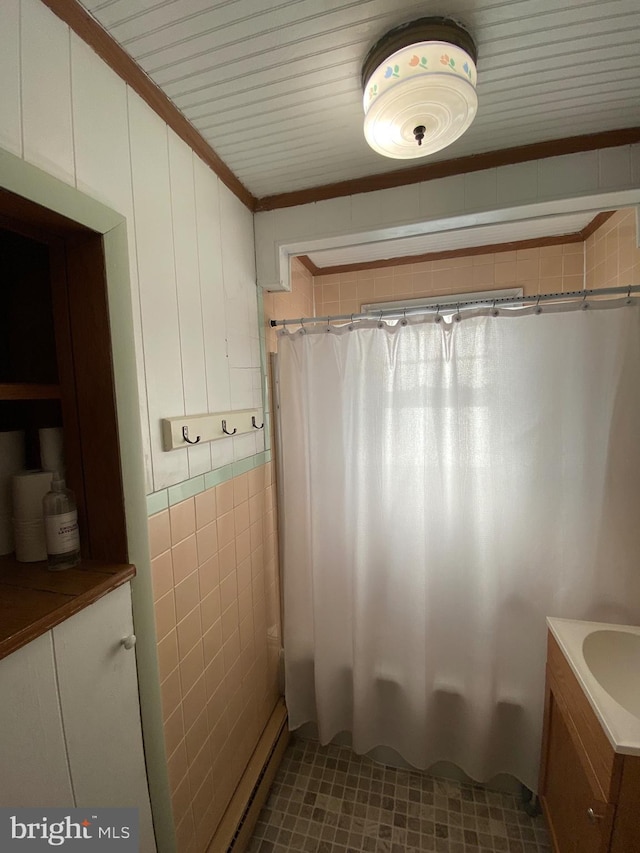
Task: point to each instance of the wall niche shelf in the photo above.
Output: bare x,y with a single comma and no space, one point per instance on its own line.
33,600
29,391
56,371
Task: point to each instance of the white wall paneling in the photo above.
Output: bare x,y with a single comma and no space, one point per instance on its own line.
10,120
34,764
243,446
103,171
194,375
214,323
157,282
99,700
46,91
100,130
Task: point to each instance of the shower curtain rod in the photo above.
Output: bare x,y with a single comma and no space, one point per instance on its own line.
503,302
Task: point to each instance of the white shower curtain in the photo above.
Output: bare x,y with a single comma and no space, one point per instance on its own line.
446,487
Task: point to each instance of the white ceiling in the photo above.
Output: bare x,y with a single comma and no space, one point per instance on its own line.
446,241
274,85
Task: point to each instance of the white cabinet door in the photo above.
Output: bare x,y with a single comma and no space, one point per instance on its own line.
99,698
33,761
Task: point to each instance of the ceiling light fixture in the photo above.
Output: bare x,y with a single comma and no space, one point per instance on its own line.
419,83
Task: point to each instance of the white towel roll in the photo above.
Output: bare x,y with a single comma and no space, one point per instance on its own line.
51,449
29,488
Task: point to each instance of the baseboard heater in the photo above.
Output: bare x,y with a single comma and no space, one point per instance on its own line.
238,822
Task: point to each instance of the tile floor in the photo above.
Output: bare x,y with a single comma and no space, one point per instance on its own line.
329,800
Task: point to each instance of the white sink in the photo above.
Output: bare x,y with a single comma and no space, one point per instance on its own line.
606,661
614,659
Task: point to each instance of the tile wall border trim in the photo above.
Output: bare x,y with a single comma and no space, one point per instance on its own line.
166,498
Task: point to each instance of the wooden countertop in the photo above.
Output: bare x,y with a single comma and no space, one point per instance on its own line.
33,600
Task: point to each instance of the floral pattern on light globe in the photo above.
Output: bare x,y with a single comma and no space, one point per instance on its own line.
404,64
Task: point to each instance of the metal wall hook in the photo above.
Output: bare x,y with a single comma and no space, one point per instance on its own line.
185,435
254,424
226,431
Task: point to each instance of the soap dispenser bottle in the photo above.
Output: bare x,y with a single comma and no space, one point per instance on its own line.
61,526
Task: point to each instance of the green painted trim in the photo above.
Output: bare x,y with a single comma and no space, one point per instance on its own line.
30,182
157,501
186,489
243,465
131,454
264,385
218,476
261,329
263,459
267,432
160,500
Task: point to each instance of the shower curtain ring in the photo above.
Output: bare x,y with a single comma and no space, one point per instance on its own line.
495,312
629,296
585,304
437,318
403,322
538,308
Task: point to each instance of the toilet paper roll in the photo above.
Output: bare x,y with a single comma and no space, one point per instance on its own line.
31,543
51,449
11,461
29,487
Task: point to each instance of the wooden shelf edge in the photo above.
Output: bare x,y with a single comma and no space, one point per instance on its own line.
105,583
28,391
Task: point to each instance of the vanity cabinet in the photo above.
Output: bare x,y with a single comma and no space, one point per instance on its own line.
71,733
590,794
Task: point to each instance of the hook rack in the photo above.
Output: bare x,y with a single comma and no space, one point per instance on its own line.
177,432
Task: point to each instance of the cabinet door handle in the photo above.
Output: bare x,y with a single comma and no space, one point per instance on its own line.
593,817
130,641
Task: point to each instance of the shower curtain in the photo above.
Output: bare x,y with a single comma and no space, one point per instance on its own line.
446,486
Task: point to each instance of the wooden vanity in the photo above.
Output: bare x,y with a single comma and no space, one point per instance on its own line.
589,789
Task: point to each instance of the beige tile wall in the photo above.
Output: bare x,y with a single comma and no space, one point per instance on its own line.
548,269
215,581
612,255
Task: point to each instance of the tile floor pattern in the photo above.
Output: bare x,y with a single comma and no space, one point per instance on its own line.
329,800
